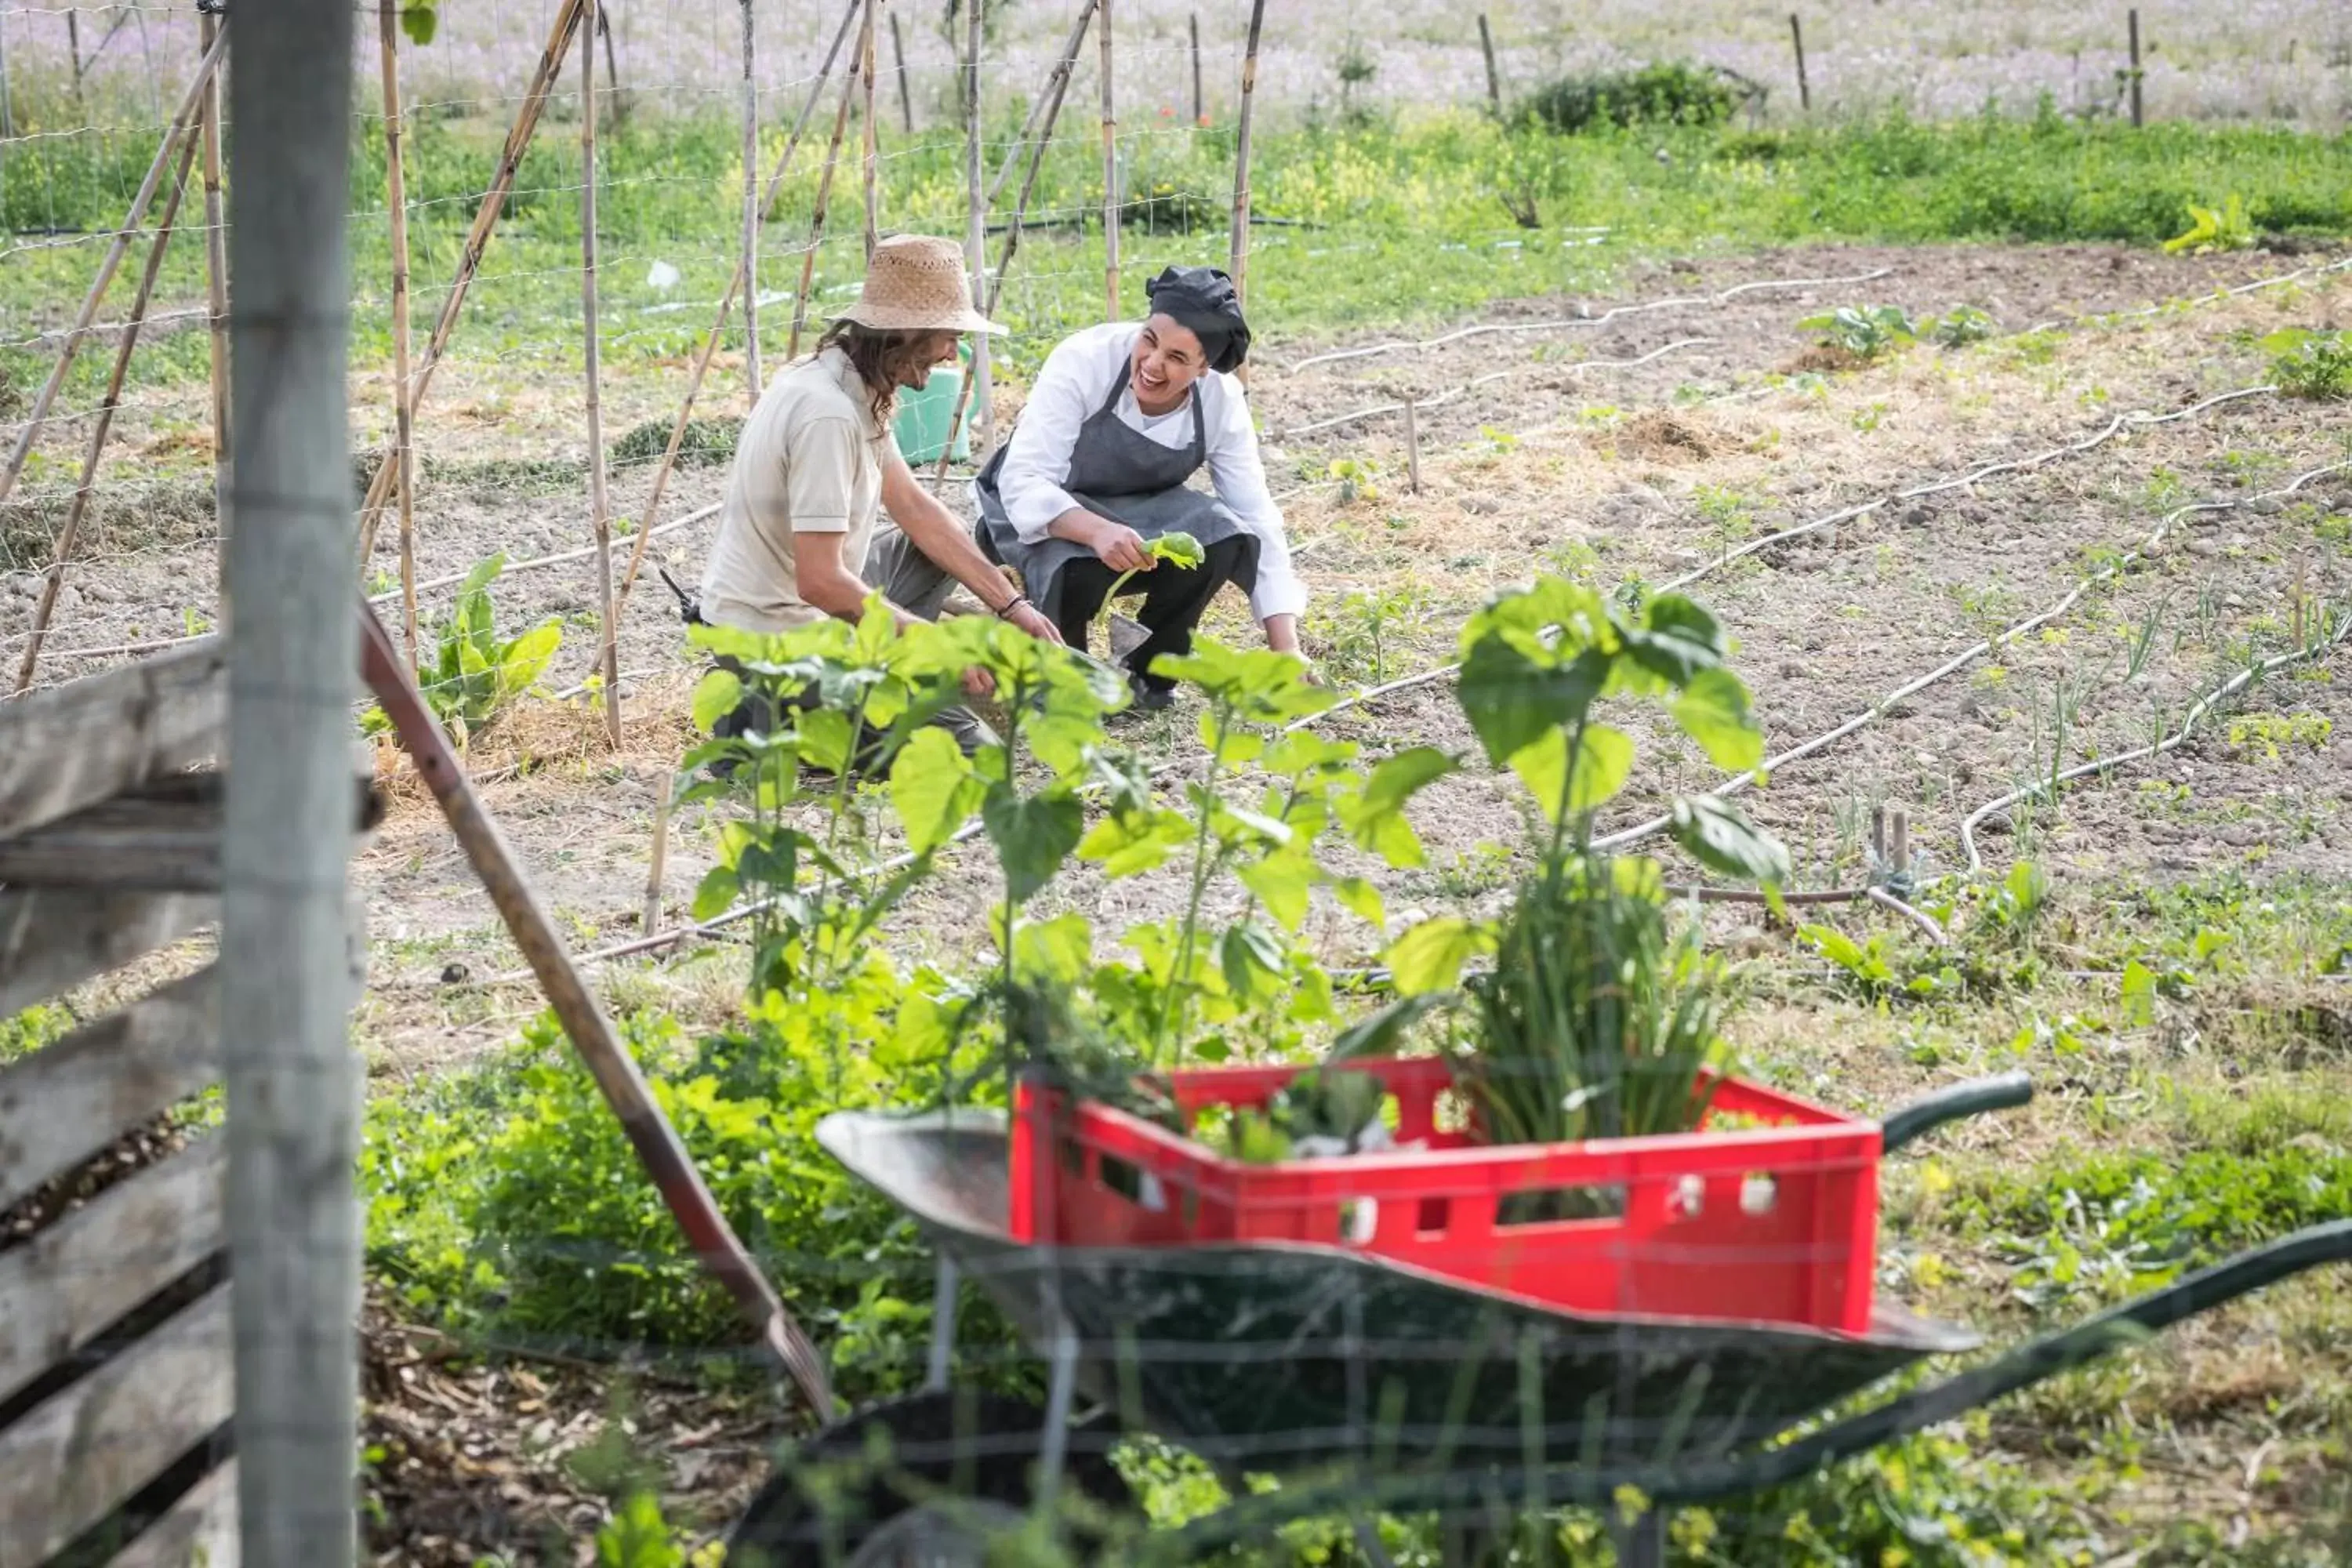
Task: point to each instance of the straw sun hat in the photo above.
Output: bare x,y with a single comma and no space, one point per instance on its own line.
915,283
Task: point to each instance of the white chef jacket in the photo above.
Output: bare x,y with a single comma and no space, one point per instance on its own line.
1076,378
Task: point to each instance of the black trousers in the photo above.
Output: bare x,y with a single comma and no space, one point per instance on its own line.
1174,599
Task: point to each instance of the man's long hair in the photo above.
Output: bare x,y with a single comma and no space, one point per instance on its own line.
882,357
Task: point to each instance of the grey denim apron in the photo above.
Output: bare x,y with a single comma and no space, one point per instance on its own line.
1117,472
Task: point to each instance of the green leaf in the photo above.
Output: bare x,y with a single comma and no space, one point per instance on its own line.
1129,842
1281,882
418,21
1032,836
1604,760
1677,640
1511,699
1377,1035
1429,956
717,893
2139,996
933,789
1375,819
716,695
825,736
1712,710
1712,832
523,661
1362,899
1179,548
1057,951
1251,957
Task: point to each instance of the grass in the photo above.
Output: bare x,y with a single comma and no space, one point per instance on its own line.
1382,221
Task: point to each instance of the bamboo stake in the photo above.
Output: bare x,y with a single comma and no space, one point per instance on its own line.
39,412
1111,170
1065,64
2137,120
1804,88
397,206
1199,113
70,534
612,65
1240,261
1057,85
975,238
726,303
216,294
599,512
749,267
906,90
873,159
477,240
73,46
816,218
1494,77
654,872
1412,446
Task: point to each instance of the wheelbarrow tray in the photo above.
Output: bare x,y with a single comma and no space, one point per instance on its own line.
1281,1355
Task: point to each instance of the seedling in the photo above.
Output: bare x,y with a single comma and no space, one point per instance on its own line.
2229,228
1865,332
476,676
2317,366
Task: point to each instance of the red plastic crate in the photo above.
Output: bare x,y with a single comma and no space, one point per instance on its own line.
1776,1224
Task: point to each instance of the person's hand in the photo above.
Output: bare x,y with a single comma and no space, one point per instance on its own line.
1029,618
978,682
1120,547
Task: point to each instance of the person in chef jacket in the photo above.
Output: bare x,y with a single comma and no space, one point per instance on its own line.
1120,417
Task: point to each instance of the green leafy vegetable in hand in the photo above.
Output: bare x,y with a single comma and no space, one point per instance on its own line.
1177,548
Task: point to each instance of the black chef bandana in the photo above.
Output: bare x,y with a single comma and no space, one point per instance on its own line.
1202,300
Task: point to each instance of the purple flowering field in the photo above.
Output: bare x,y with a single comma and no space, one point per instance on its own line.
2256,59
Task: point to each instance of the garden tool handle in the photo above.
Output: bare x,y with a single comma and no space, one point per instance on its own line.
1976,1096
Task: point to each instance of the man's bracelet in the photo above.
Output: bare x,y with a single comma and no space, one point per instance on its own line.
1016,602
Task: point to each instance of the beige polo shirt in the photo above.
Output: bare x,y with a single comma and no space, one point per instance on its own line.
810,461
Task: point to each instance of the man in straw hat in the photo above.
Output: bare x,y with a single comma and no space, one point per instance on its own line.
800,535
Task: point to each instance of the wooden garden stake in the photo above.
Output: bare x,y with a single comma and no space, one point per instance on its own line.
975,238
612,65
1412,446
39,414
726,303
1240,266
873,159
1048,102
1494,77
599,513
652,921
70,532
2134,16
1898,839
1057,86
1199,113
397,206
477,240
215,281
816,216
1804,89
906,92
749,264
73,47
1110,171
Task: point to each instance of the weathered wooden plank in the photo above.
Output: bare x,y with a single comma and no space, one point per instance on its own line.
198,1531
74,1459
66,1286
51,940
163,838
72,1098
77,744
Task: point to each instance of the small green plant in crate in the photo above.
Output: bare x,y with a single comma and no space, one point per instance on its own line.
1596,1019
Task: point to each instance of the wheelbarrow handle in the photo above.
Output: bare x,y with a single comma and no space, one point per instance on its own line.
1698,1479
1978,1095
